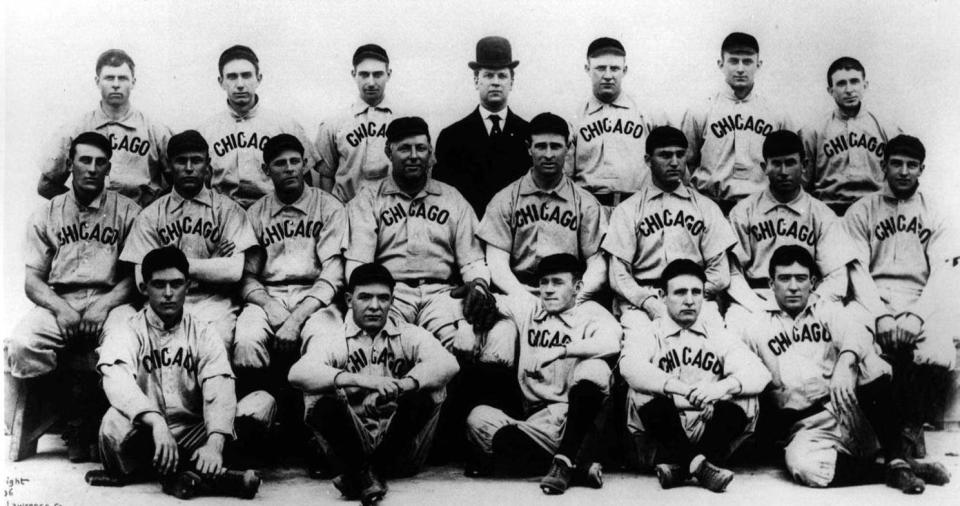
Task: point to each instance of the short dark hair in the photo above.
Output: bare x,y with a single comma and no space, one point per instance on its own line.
94,139
789,255
164,258
114,58
238,52
782,143
369,274
844,63
681,267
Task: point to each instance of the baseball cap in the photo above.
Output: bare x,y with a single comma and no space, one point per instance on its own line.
92,139
238,52
561,262
368,274
782,143
186,142
407,126
277,144
664,136
605,45
370,51
906,145
740,40
548,123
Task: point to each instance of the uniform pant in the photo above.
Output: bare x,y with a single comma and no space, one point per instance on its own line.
217,310
663,422
431,307
32,349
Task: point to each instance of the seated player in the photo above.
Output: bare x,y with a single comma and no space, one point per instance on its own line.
564,379
74,277
173,407
825,370
381,383
693,387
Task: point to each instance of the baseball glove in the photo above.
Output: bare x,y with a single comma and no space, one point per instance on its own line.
479,306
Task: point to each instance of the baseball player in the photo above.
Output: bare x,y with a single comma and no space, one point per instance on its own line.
210,228
693,389
898,235
664,221
726,133
382,382
564,379
350,145
73,275
845,149
136,140
610,130
825,370
239,133
173,407
541,214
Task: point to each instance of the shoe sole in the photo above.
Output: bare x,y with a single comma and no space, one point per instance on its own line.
722,486
665,480
551,489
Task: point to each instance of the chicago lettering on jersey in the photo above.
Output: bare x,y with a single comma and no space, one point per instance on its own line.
357,360
734,122
545,338
694,357
851,140
900,223
396,213
814,333
289,229
666,218
398,367
183,358
365,130
608,125
768,229
187,225
130,144
239,140
531,213
85,232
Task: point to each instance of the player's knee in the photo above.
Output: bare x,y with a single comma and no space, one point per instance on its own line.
813,467
501,344
115,428
594,371
258,406
481,415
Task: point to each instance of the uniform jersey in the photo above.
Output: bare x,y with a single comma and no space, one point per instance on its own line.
845,153
351,147
139,146
654,227
725,137
428,236
80,245
170,368
540,331
236,150
763,224
531,223
608,145
801,352
899,241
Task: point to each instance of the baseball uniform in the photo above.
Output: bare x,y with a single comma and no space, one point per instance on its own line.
725,137
426,241
545,397
302,242
196,226
77,247
350,147
138,161
608,143
531,223
236,146
845,155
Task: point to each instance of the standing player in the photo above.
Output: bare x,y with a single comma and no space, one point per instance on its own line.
693,388
350,146
240,133
662,222
212,230
137,141
541,214
610,131
726,133
382,382
74,277
564,379
845,149
898,235
485,151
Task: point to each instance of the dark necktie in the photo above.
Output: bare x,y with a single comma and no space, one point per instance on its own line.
495,131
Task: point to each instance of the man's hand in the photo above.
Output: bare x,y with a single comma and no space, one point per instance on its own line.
886,327
706,393
277,314
908,330
479,306
165,453
69,321
287,337
654,308
387,387
375,405
534,369
225,248
209,457
91,323
843,393
466,344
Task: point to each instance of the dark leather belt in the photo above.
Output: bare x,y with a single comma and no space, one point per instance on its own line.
612,199
758,282
414,283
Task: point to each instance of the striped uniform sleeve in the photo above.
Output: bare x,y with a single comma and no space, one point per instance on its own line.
636,361
329,252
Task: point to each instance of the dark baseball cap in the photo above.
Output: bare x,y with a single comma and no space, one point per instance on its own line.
407,126
740,40
94,139
277,144
906,145
782,143
369,274
370,51
186,142
548,123
605,45
561,262
238,52
664,136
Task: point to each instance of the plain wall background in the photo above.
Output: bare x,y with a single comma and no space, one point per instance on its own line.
50,47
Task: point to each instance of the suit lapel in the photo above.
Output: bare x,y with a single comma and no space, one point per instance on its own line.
478,130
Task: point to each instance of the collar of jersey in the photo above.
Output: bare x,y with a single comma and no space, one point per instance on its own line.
681,191
671,328
773,307
529,187
728,94
101,119
359,107
247,115
839,114
768,202
300,204
390,187
887,193
352,331
566,317
153,320
621,102
205,197
94,204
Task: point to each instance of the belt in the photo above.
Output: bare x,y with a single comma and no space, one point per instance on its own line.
414,283
612,199
650,283
61,288
758,282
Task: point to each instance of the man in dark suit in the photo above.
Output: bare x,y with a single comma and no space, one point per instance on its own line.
485,151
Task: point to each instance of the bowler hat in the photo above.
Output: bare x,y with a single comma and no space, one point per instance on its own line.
493,53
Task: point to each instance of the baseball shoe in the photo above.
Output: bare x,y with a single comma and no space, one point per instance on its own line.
478,466
101,478
372,488
671,475
242,484
557,479
711,477
589,476
348,485
183,485
901,477
932,473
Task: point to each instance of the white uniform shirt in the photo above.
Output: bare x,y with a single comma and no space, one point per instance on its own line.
351,147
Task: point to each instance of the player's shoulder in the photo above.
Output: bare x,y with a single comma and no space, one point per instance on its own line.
865,205
705,203
819,208
595,312
743,210
448,192
122,203
409,331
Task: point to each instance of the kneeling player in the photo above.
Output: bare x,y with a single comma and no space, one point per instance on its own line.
381,381
693,387
825,365
564,381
